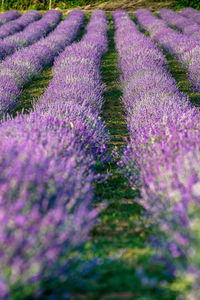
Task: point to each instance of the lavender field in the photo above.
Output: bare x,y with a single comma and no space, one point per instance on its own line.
100,155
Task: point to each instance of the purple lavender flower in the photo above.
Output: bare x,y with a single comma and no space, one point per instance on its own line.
191,13
19,24
8,16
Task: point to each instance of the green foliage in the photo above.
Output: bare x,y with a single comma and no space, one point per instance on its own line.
44,4
183,3
25,4
187,3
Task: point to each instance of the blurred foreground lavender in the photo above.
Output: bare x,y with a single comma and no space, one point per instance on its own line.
47,169
163,155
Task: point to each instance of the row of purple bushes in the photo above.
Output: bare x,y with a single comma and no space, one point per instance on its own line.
47,161
19,68
19,24
75,92
162,157
191,13
8,16
32,33
185,24
186,49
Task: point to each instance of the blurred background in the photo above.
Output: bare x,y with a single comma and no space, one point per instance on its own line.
66,4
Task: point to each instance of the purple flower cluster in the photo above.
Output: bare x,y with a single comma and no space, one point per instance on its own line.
19,24
18,69
46,193
186,49
32,33
187,26
46,164
163,155
191,13
8,16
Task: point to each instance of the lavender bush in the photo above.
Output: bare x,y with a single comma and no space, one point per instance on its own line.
191,13
162,157
46,195
187,26
186,49
19,24
75,92
47,160
8,16
19,68
32,33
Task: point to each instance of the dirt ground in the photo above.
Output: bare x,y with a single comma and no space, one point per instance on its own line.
129,5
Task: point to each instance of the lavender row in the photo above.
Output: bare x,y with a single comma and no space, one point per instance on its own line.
19,24
47,160
187,26
18,69
75,92
191,13
162,157
186,49
8,16
32,33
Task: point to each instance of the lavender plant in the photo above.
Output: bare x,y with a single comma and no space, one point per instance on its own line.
187,26
186,49
19,24
46,196
162,157
191,13
8,16
47,160
76,92
32,33
19,68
